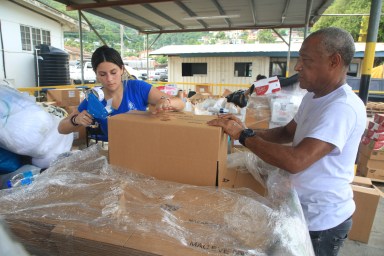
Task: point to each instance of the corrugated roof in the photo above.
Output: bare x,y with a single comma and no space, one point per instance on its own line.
167,16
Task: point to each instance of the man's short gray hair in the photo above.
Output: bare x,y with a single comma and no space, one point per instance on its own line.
337,40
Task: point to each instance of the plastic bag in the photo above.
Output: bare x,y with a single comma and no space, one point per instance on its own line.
27,129
9,161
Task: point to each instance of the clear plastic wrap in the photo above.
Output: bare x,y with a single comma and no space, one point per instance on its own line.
275,109
81,205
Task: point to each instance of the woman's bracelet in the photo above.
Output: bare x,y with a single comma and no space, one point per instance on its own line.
73,120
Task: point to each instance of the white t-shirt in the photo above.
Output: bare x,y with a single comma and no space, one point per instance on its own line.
324,188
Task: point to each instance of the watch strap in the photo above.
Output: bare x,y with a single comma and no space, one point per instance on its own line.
246,133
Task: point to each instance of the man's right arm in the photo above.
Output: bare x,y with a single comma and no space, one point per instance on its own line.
282,135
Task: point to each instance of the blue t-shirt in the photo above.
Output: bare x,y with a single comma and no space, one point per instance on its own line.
135,97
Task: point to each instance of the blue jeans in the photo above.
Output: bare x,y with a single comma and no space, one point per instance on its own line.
328,242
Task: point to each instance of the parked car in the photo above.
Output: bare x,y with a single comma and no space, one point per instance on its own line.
133,72
163,77
156,76
89,74
143,75
157,73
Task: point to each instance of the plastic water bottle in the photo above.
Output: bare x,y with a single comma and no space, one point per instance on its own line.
23,178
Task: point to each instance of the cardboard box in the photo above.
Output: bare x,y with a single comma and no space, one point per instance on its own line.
366,197
378,118
267,86
373,174
66,237
368,151
246,180
370,163
238,178
374,135
65,97
370,168
201,88
373,144
375,127
257,118
174,146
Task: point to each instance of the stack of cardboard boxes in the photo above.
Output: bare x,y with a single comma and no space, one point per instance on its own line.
370,165
371,151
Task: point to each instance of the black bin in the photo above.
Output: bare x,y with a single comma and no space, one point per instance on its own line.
51,66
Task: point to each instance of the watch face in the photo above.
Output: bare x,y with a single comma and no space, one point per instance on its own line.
248,133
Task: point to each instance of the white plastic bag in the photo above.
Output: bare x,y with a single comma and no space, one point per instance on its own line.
27,129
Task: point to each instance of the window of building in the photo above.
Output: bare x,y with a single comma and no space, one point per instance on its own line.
353,69
25,38
30,37
243,69
277,68
46,37
190,69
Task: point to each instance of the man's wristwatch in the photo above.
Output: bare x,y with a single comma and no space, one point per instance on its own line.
246,133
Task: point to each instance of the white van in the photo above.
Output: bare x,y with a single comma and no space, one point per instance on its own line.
133,72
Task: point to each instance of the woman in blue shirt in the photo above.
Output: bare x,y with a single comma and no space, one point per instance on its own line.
120,95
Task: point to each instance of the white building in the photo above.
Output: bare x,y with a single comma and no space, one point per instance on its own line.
23,25
239,63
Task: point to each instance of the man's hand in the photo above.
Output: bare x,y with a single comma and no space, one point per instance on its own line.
230,124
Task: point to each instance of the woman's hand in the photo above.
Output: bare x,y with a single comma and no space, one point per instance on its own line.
83,118
164,104
230,124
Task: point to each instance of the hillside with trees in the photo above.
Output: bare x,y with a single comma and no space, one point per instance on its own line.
352,23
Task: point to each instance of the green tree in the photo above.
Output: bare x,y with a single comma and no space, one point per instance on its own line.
266,36
162,59
350,23
221,35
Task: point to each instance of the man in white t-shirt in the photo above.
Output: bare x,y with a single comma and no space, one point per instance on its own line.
325,135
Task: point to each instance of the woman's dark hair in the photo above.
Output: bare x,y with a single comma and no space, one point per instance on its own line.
105,53
259,77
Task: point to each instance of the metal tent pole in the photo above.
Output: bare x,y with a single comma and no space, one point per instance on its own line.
369,54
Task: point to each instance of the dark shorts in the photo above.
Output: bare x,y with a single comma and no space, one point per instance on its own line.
328,242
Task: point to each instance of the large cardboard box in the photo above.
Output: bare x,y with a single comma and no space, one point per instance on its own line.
65,97
366,197
176,146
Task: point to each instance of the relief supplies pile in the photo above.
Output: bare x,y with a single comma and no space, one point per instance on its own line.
27,129
82,205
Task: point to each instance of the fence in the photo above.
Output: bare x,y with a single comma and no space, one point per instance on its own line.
376,88
214,89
